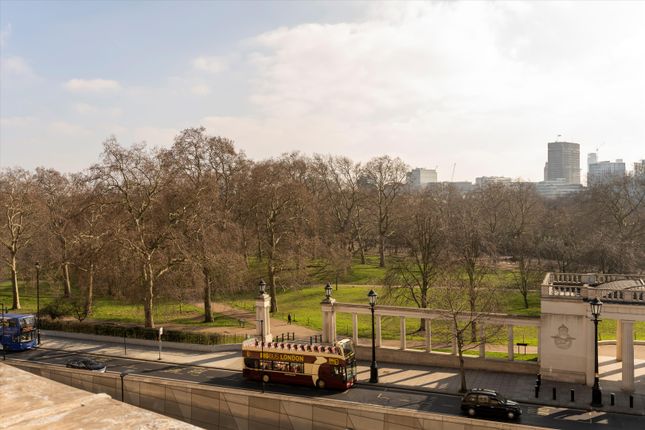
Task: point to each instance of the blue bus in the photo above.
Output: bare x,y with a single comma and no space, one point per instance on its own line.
18,332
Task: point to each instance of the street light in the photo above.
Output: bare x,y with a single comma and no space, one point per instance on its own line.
327,291
373,367
262,350
123,375
596,393
263,286
38,301
4,352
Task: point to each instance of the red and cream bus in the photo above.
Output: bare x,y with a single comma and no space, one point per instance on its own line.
324,365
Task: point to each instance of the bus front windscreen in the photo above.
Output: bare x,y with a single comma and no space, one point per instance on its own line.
348,349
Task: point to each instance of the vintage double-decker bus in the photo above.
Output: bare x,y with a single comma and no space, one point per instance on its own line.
17,332
324,365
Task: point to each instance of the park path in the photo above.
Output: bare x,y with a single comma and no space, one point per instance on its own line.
278,326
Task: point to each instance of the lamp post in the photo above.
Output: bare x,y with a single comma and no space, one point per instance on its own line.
596,392
373,367
328,291
4,352
123,375
38,301
263,286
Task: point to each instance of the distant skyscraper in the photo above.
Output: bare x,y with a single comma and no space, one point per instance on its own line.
639,168
604,171
592,158
418,177
563,162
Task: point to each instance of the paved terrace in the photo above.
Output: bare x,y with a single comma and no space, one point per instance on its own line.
517,387
32,402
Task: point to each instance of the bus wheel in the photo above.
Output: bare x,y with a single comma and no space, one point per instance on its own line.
320,384
265,378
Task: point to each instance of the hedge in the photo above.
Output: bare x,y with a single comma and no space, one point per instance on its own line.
138,332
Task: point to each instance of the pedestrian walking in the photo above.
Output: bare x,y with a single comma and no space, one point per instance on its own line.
289,319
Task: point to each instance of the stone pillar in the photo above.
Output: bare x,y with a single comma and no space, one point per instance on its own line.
482,339
511,351
428,334
403,335
355,328
329,320
263,317
619,340
628,356
377,329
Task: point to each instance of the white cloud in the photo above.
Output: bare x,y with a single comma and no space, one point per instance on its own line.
66,128
16,121
200,90
209,64
88,109
92,85
16,66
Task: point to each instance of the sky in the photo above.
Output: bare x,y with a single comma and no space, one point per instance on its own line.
475,86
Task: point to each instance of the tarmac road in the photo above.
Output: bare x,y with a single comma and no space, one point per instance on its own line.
542,416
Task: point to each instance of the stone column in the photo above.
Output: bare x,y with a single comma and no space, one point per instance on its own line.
511,351
628,356
402,334
428,334
355,328
619,340
377,329
263,317
329,320
482,339
539,345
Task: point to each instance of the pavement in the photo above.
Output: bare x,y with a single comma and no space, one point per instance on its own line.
434,379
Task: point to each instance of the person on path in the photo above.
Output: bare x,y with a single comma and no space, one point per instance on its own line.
289,319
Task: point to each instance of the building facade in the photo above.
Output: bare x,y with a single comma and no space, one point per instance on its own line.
563,162
605,171
419,177
487,180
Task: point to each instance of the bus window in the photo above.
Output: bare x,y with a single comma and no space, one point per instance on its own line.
251,363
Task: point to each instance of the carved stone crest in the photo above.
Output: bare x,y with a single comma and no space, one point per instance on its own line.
562,339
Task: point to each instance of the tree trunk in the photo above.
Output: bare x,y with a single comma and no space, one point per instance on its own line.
381,250
208,307
148,301
90,290
67,285
272,290
462,372
14,283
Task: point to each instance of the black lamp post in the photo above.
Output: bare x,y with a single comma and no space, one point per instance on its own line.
263,286
4,352
38,301
373,367
328,291
596,392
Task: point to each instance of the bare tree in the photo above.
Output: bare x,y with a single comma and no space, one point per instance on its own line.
422,228
17,201
385,177
138,180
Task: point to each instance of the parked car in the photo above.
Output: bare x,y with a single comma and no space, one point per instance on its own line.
87,364
479,401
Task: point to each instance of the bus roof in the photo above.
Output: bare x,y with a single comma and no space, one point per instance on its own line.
17,315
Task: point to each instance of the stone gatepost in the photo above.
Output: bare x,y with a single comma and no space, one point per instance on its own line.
263,316
329,320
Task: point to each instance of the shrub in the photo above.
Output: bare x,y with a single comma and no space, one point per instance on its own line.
60,307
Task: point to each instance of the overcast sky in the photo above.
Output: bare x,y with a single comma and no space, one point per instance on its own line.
483,85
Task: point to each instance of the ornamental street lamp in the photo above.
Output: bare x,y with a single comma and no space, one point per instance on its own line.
596,392
263,286
38,301
327,291
373,367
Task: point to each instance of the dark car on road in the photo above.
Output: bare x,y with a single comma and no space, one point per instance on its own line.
485,402
86,364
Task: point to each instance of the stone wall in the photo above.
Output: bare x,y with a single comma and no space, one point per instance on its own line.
214,407
438,359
